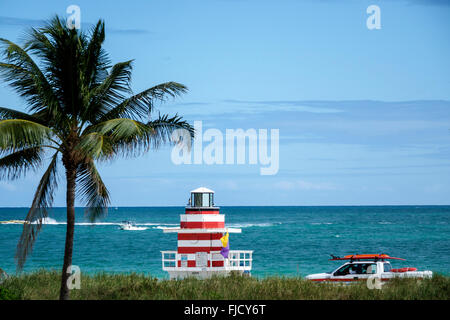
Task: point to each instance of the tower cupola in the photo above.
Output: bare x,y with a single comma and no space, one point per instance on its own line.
201,198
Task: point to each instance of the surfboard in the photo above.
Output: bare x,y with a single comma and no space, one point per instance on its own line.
365,256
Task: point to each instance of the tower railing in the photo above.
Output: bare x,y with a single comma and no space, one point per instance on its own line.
237,260
169,259
240,259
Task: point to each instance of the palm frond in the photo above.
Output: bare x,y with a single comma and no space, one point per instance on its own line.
129,137
6,113
164,126
18,134
15,165
120,128
141,105
60,50
96,60
111,91
41,117
43,199
26,78
111,137
93,191
95,145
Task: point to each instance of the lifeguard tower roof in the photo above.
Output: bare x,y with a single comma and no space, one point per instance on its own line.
202,190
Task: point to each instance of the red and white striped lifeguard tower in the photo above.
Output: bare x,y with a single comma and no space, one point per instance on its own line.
199,244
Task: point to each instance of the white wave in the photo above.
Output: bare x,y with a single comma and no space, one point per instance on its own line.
96,224
48,220
156,224
320,223
164,228
120,223
134,228
248,225
44,221
12,222
53,221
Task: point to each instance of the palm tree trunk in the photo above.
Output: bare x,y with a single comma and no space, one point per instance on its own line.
70,200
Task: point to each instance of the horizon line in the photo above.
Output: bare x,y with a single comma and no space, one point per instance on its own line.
227,206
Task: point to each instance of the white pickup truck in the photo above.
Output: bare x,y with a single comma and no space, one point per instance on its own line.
361,269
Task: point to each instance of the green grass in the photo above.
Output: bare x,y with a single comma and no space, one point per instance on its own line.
45,285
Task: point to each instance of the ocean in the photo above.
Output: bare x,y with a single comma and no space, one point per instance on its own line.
287,241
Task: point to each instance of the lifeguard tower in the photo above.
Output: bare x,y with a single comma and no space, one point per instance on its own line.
199,245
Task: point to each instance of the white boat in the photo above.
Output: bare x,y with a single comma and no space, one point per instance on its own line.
128,225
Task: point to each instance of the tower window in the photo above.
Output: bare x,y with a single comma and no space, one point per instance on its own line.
202,199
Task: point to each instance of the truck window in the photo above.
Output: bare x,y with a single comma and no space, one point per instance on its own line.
371,268
343,270
349,269
356,269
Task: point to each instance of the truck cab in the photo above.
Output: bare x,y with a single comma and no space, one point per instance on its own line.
359,270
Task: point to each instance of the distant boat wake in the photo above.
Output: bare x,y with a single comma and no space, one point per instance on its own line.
138,226
51,221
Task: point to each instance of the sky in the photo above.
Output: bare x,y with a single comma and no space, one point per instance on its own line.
363,115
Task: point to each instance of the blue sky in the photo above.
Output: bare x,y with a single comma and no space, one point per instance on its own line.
364,115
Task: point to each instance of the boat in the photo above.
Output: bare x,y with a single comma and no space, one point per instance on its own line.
203,242
361,267
129,225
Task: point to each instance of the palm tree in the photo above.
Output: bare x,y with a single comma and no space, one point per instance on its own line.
81,108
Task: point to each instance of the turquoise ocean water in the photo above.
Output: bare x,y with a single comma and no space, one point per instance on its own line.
286,240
